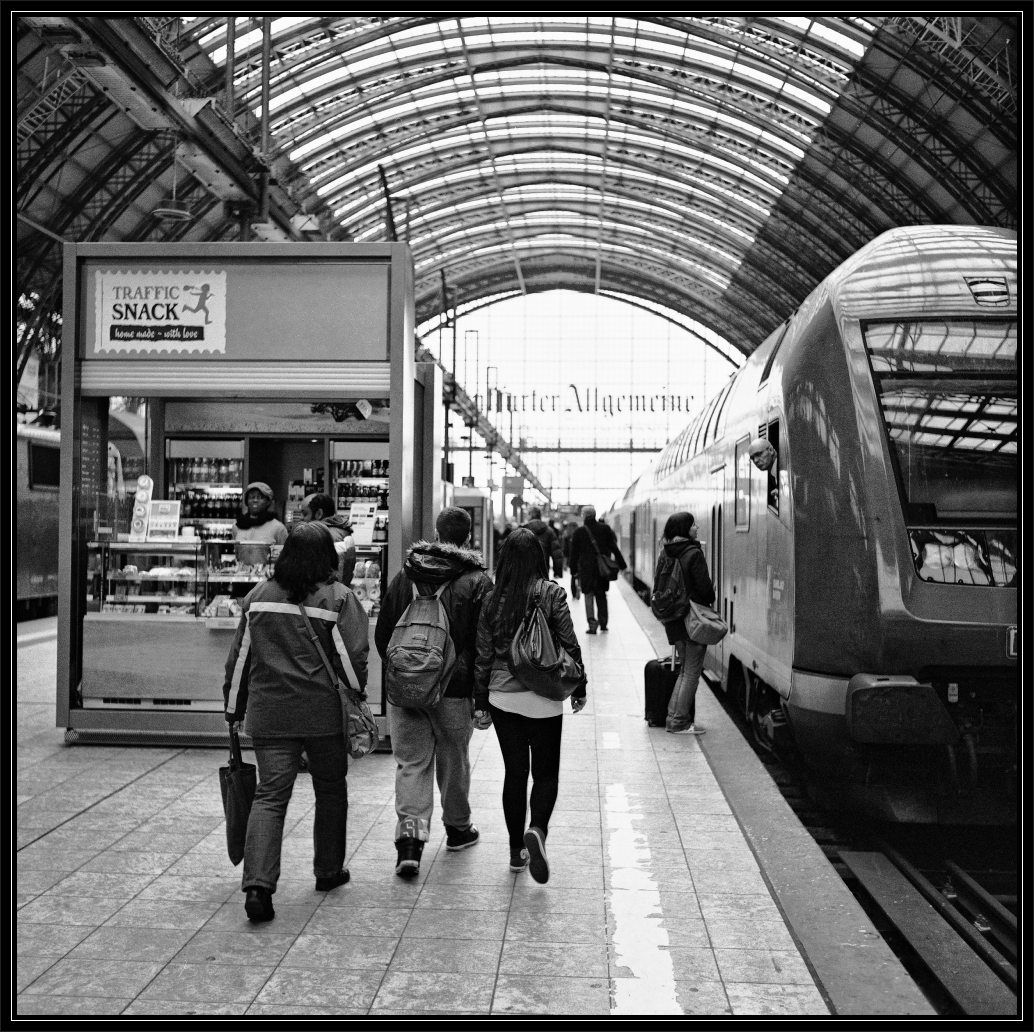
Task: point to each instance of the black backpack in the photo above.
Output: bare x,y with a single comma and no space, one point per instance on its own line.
670,598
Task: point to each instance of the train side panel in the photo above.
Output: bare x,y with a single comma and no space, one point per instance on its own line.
37,498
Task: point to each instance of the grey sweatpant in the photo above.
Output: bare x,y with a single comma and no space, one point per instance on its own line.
425,745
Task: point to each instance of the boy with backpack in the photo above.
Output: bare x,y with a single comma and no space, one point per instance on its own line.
426,635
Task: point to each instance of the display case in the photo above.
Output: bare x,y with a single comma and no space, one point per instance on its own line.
207,478
360,486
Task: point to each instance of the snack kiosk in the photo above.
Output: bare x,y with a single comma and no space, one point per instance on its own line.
286,364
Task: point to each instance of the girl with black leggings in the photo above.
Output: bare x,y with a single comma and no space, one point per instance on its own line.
528,726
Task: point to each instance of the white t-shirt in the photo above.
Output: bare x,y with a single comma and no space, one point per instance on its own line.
524,702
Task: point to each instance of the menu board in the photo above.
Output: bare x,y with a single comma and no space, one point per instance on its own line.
163,521
362,516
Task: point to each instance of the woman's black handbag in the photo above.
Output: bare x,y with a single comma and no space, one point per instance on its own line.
237,785
607,567
538,662
360,729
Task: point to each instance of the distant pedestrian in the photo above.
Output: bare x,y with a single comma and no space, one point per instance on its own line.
275,675
436,742
570,526
546,537
680,543
589,541
527,725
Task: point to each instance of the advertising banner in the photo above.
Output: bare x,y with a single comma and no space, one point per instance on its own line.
160,310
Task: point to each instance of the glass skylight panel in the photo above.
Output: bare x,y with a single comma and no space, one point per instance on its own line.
838,39
250,39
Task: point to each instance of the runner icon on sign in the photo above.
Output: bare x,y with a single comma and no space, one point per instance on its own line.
204,292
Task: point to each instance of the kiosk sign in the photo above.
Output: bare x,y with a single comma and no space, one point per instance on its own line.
161,310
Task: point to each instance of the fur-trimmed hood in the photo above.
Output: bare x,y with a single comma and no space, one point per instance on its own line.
434,562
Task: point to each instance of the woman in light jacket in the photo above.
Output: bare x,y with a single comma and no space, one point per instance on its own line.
680,543
275,674
526,724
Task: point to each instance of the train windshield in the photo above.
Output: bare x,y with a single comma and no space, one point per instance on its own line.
948,393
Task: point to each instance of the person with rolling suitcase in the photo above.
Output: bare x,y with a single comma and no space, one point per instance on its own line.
680,578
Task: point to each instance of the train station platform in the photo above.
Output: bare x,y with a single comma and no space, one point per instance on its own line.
672,891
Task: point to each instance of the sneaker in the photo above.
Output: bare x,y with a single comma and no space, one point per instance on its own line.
602,628
518,860
535,843
326,884
460,838
591,630
409,852
689,729
258,904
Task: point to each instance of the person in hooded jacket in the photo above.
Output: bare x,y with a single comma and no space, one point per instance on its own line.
585,568
680,542
432,743
320,507
546,537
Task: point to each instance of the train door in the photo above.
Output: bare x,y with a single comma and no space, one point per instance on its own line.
716,653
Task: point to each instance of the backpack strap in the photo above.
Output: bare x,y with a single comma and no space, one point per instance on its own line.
438,594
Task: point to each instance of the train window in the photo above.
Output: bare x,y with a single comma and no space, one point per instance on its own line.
772,489
711,434
772,354
948,394
743,468
44,467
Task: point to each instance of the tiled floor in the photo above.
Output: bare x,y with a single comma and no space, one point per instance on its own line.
128,903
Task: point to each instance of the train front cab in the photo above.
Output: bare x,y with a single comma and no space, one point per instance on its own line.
901,430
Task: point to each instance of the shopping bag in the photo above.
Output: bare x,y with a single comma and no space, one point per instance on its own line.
237,785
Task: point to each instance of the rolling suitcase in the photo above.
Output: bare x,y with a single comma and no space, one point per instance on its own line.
660,677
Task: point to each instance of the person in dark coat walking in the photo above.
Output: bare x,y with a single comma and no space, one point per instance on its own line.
546,537
436,742
584,565
680,542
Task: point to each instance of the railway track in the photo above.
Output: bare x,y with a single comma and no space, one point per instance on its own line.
943,898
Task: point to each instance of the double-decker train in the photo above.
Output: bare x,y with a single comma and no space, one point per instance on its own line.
855,488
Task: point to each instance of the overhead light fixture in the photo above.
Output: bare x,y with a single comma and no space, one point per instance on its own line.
173,210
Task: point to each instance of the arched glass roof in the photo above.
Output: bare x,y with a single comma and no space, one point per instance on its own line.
712,168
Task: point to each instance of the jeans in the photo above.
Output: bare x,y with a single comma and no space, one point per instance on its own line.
426,744
682,708
600,598
278,761
518,735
